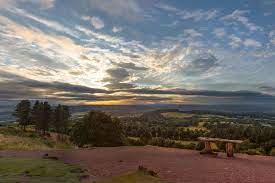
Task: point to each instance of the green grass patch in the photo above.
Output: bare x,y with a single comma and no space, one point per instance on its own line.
36,170
134,177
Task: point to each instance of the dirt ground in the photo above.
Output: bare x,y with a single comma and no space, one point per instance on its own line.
173,165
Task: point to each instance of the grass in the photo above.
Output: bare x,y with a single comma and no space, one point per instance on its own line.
177,115
13,138
34,170
133,177
183,142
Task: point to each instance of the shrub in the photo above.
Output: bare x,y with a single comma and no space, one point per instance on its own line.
98,129
252,152
134,142
158,141
273,152
200,146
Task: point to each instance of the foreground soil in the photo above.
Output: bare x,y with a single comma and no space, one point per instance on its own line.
172,165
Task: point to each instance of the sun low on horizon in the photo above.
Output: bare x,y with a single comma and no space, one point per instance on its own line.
127,52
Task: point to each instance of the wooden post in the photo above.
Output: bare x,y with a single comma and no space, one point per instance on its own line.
229,149
207,148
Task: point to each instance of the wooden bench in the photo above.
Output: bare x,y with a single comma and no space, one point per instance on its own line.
229,145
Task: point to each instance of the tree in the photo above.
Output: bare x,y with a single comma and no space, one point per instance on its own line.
98,129
41,116
36,115
267,147
22,113
61,116
47,115
145,136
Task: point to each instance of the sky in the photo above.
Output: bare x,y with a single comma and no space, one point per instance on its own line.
138,51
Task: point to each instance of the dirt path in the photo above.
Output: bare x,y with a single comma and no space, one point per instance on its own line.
173,165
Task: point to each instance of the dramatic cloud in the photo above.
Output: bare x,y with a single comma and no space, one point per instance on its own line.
118,74
201,93
252,43
116,29
235,41
199,15
271,36
106,50
129,65
43,4
18,87
219,32
239,16
117,79
97,22
200,65
196,15
129,9
268,89
192,33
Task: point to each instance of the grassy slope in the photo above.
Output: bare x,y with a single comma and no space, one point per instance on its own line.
37,170
135,177
12,138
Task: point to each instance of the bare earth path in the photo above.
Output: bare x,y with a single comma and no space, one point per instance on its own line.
173,165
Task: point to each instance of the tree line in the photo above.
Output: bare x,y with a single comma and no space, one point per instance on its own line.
43,116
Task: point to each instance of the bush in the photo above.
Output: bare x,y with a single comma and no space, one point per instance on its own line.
145,136
98,129
134,142
252,152
200,146
273,152
247,145
221,146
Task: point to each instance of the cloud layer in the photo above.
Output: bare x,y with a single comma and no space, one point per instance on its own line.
126,51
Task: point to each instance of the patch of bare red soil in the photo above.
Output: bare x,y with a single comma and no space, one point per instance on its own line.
173,165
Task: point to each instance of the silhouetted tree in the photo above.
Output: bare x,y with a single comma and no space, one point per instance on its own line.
61,115
22,113
41,116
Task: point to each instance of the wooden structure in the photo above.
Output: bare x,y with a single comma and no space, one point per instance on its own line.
229,145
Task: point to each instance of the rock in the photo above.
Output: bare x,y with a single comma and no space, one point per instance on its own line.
46,156
146,171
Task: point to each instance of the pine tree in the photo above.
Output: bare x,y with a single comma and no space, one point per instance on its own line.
36,115
41,116
61,117
22,113
46,117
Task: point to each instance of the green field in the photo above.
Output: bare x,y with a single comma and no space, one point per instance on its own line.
37,170
177,115
135,177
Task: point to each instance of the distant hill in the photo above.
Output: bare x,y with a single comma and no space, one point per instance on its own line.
137,110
